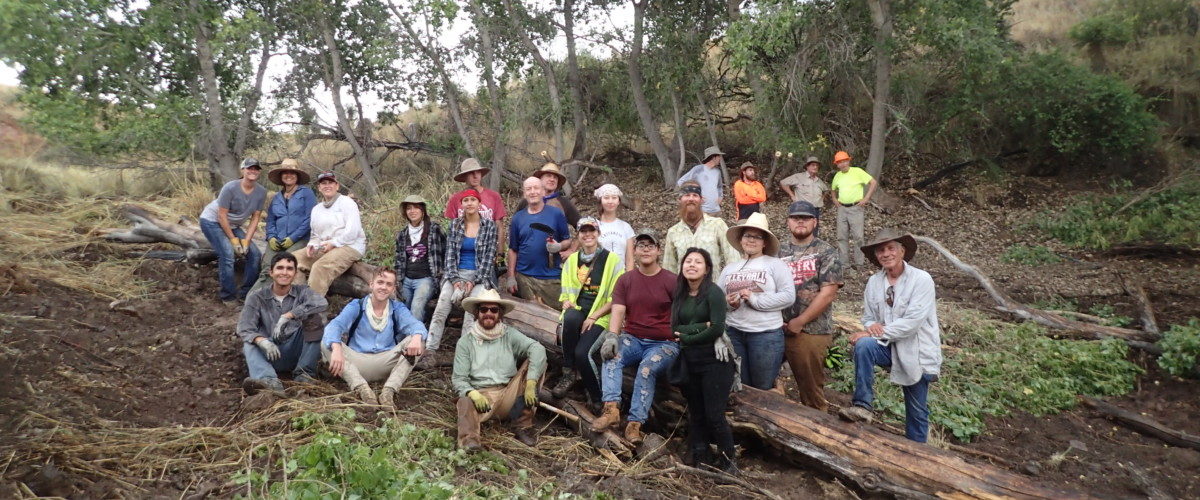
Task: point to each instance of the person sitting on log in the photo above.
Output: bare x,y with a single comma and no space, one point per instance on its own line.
639,333
337,240
470,250
280,329
288,214
374,338
536,235
588,278
902,332
420,255
240,200
497,372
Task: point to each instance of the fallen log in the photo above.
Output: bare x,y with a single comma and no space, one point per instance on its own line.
1143,424
1145,309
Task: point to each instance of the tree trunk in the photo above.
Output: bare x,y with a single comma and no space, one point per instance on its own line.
495,111
218,140
680,126
572,170
636,83
881,15
333,79
579,148
251,104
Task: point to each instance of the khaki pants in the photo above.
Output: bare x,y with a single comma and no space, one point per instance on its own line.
325,267
850,227
806,355
529,287
503,399
392,365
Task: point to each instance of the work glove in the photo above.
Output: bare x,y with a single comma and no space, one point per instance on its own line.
608,346
723,348
531,394
481,403
274,244
277,332
286,244
510,284
239,248
457,296
554,246
269,349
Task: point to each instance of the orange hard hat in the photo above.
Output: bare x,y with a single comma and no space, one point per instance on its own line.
841,156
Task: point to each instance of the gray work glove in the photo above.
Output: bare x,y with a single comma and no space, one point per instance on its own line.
278,331
608,346
723,348
457,297
554,246
269,349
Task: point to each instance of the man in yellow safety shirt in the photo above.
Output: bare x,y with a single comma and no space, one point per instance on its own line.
852,187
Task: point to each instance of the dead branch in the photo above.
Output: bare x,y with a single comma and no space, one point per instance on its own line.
1145,309
1143,424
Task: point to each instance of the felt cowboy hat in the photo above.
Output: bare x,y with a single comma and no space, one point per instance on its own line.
289,165
711,151
469,165
757,221
812,159
745,166
890,234
551,168
488,296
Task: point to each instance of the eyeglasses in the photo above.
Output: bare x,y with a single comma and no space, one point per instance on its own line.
752,236
495,309
646,244
891,295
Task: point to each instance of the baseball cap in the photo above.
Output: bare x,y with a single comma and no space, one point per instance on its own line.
647,233
802,207
250,162
587,221
326,175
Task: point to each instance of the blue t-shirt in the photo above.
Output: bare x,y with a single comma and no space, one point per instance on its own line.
530,244
466,254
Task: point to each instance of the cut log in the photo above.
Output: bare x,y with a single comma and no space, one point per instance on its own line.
1145,309
1143,424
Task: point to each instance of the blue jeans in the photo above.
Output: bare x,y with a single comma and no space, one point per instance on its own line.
225,259
869,353
652,357
415,293
761,353
294,354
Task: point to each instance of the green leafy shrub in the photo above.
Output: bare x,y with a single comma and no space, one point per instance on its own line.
1030,255
1110,316
1181,350
1167,217
1103,29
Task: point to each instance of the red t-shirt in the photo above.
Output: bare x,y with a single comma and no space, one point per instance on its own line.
491,206
647,301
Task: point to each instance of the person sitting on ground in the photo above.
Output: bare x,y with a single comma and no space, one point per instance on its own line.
707,175
900,314
497,372
288,215
553,180
696,229
374,338
470,250
588,278
748,193
536,235
616,235
280,329
639,333
757,289
698,319
221,222
337,240
420,255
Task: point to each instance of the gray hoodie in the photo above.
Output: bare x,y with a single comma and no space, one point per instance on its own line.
773,289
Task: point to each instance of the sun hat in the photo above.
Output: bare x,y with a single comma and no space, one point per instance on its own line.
551,168
757,221
890,234
469,165
812,159
488,296
747,165
289,165
711,151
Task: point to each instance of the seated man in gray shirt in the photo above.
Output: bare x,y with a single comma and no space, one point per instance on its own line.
900,314
280,327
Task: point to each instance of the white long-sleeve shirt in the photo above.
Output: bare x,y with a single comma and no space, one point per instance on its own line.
772,287
910,325
340,224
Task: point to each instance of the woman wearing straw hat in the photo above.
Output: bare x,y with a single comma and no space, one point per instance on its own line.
337,239
288,214
616,235
757,289
420,255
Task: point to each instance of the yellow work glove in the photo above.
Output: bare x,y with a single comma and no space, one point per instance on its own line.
530,394
274,244
286,244
239,248
481,402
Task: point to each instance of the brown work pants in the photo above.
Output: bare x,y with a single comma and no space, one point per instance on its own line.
321,270
805,353
548,291
502,398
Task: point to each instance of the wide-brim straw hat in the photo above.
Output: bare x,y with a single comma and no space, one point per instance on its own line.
469,165
551,168
890,234
488,296
757,221
289,165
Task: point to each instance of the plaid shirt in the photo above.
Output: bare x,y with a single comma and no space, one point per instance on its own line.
437,250
709,235
485,251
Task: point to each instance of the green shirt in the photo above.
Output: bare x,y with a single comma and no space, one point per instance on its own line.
701,319
479,365
851,185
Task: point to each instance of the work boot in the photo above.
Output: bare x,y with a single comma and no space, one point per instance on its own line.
428,360
564,384
387,397
304,378
701,456
368,396
633,433
254,386
610,416
471,445
526,436
727,464
856,413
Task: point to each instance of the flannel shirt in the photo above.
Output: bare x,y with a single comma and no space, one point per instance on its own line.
710,235
485,251
437,250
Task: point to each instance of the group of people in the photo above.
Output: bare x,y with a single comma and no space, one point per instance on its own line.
706,305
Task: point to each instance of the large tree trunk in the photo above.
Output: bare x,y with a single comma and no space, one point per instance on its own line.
515,24
578,116
217,140
251,104
881,15
495,109
640,103
333,80
711,127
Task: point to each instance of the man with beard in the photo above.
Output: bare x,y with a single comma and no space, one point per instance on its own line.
707,175
748,192
808,328
497,371
277,329
697,229
535,237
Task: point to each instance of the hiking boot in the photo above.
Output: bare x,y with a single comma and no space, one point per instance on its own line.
254,386
857,414
428,361
387,397
633,433
701,456
471,445
526,436
368,396
609,417
727,464
304,378
564,384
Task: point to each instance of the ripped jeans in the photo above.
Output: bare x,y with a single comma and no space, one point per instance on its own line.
652,357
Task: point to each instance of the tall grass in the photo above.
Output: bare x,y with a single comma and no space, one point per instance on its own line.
1042,24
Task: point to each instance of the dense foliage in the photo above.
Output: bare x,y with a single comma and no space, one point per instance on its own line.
1168,216
1181,350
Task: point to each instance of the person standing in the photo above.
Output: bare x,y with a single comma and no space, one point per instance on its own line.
748,192
588,278
808,329
288,214
337,239
553,180
902,332
696,229
536,235
806,185
277,329
221,222
757,289
616,235
852,188
491,205
708,175
420,255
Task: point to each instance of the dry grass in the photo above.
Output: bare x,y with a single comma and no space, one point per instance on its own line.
1041,24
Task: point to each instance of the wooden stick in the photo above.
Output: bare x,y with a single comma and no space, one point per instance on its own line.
1142,424
1148,318
573,418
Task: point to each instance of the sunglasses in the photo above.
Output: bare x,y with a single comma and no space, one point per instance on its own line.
488,309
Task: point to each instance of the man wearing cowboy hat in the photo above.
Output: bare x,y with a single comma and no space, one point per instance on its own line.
288,214
553,180
900,314
497,372
491,205
696,229
748,192
806,185
708,175
852,187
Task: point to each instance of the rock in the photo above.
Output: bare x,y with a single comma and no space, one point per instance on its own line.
1032,468
206,392
1078,445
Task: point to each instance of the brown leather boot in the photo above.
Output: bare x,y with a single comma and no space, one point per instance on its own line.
608,417
633,433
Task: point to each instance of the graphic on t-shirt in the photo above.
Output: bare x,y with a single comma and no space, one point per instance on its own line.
803,267
485,212
749,279
416,252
